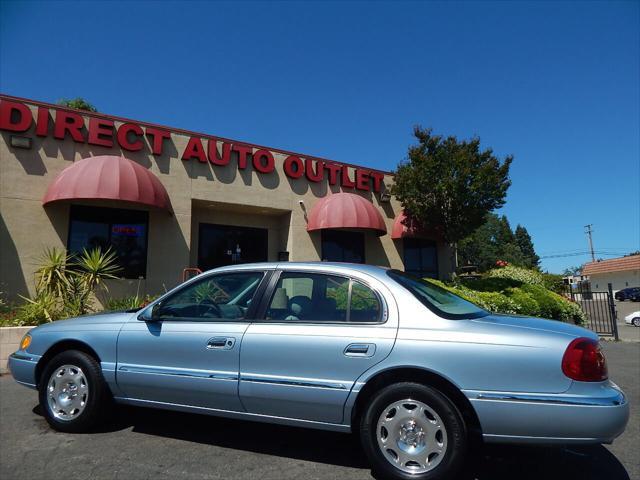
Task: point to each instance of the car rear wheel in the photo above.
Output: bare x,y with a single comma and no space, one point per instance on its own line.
412,431
73,394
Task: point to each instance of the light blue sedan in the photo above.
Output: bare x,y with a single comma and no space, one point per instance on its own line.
416,371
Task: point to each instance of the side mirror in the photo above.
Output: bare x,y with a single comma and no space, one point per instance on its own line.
151,314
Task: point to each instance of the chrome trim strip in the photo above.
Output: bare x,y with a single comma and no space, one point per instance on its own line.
179,373
22,356
612,401
293,383
236,414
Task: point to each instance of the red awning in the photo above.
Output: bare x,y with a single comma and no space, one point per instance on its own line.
413,230
400,230
108,177
345,210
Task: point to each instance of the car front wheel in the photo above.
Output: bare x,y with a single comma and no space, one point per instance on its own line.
73,394
636,322
412,431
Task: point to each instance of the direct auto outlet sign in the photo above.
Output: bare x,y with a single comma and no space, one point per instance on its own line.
17,117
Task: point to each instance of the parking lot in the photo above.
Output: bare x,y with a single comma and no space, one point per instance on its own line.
151,444
627,332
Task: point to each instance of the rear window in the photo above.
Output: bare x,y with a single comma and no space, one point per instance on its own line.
437,299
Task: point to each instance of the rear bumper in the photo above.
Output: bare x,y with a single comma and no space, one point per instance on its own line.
22,366
569,418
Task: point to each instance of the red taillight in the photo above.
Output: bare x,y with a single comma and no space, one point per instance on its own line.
584,361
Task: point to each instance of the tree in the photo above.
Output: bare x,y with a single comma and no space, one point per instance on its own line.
448,186
78,103
492,241
523,240
569,271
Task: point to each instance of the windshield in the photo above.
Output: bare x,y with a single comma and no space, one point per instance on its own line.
436,298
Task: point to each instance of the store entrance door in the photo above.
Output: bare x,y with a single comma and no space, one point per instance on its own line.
220,245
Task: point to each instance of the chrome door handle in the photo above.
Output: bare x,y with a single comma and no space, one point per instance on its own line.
221,343
360,350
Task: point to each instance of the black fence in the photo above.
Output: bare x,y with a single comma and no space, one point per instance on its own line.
599,308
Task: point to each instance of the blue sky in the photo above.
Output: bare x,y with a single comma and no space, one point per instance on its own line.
555,84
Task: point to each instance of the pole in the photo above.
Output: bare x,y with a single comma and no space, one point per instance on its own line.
588,231
614,315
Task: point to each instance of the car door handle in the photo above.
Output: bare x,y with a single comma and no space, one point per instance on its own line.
221,343
360,350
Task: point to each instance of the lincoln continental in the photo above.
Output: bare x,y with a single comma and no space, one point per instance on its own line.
415,371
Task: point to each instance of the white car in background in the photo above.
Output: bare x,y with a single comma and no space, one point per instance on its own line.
633,319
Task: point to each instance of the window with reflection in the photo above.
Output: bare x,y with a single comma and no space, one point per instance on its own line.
215,297
420,257
311,297
124,231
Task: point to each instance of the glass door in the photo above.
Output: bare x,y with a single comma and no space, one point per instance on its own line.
220,245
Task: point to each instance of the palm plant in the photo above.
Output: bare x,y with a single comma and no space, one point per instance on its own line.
65,284
52,276
95,266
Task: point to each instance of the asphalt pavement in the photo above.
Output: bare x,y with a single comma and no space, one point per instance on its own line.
143,444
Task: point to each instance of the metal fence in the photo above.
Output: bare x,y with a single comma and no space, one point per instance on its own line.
599,307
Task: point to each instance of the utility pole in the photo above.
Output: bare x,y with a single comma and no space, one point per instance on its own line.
589,231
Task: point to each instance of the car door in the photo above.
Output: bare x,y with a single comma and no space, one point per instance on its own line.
188,353
319,332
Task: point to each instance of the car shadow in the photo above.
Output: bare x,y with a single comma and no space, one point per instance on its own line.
491,462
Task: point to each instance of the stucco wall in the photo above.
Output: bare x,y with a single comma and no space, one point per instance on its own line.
619,280
198,192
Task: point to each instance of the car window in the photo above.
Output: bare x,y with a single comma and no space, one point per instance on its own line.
311,297
218,297
365,306
436,298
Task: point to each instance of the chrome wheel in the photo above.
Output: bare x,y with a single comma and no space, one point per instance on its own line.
67,392
411,436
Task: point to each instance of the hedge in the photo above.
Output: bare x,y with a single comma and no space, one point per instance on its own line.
517,291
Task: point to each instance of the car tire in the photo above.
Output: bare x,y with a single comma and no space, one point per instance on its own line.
424,439
635,322
73,394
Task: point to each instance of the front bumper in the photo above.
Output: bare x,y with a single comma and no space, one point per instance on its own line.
22,366
584,414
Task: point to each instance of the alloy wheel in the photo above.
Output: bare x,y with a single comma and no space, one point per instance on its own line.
411,436
67,392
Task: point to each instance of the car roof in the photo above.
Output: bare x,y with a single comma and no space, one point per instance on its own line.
337,267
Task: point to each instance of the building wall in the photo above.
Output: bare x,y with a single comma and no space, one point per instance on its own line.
619,280
199,192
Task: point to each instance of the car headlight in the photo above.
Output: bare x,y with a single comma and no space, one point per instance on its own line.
25,342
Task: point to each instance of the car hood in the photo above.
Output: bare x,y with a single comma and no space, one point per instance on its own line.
539,324
105,318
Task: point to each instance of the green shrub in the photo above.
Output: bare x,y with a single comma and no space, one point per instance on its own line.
520,274
127,303
511,296
554,282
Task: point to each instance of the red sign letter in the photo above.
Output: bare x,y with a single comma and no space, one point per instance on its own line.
68,122
362,180
293,167
213,153
319,173
263,167
377,180
194,149
22,123
333,172
123,137
99,127
346,181
243,151
42,124
158,135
